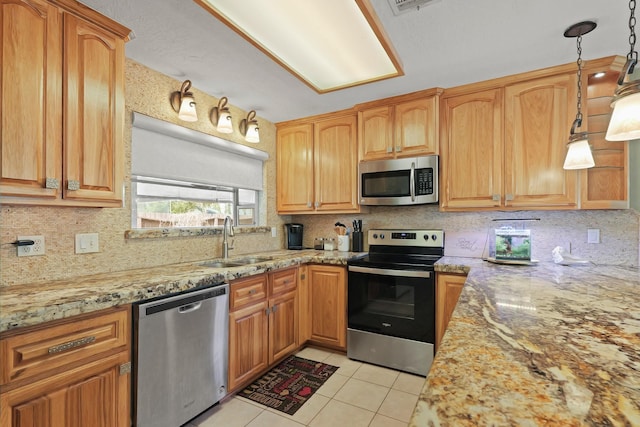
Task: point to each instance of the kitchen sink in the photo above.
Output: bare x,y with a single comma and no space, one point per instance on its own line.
236,262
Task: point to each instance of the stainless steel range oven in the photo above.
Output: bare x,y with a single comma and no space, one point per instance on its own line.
391,300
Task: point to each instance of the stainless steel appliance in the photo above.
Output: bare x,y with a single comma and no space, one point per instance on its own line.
293,235
410,181
392,300
180,356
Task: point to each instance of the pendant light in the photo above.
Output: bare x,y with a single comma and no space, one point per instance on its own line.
625,119
578,150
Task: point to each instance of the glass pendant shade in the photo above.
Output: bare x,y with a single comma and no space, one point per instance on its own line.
579,155
224,122
252,133
625,119
188,109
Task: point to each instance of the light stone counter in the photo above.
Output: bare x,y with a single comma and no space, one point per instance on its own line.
26,305
537,345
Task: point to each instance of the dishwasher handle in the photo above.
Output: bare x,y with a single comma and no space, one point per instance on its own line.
185,303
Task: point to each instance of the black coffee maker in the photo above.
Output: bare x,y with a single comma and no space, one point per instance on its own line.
293,235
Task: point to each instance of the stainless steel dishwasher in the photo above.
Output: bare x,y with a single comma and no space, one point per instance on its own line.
180,356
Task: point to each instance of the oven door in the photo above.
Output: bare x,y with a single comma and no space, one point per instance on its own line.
399,303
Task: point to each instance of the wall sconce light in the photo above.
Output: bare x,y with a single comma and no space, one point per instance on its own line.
625,119
579,152
184,104
221,117
249,128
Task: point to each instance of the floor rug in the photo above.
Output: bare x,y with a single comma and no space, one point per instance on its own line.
290,384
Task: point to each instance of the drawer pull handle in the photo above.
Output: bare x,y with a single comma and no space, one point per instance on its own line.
252,291
71,344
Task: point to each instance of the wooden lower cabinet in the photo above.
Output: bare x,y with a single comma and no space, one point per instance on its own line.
448,289
263,320
92,389
328,296
304,305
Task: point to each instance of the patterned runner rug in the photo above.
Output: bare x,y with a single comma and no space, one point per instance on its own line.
290,384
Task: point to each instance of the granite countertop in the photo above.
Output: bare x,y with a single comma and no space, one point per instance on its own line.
34,303
537,345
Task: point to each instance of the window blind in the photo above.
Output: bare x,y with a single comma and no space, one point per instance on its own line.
161,149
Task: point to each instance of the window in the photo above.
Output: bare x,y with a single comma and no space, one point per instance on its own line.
184,178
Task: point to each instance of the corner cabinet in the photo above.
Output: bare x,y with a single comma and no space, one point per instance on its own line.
62,105
401,126
316,165
73,372
263,318
328,305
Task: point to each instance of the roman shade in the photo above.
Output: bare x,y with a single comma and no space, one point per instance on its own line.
161,149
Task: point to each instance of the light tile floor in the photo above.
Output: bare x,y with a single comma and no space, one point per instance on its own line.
357,394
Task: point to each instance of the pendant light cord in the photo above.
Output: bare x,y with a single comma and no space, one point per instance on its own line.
633,54
579,62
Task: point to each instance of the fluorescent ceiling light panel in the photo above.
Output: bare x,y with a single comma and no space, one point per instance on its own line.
328,44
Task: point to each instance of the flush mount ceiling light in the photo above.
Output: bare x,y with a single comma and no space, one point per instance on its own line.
328,44
221,116
625,119
183,103
579,152
249,128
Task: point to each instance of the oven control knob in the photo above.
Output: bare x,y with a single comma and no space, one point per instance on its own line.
375,236
382,236
434,237
425,237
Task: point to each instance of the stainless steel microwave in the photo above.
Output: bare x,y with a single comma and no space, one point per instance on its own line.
410,181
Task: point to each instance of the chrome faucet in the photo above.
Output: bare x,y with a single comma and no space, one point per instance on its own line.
225,244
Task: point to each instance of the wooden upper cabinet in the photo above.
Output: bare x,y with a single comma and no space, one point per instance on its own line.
471,150
401,126
31,113
335,154
316,162
93,112
62,95
538,116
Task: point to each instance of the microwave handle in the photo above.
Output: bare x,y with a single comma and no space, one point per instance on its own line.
412,181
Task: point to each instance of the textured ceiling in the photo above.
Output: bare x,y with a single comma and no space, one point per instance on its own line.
445,44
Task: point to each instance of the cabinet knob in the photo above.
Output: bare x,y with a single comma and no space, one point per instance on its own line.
398,149
317,204
308,204
389,149
52,183
73,185
266,311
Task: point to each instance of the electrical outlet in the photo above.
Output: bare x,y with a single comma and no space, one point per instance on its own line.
274,233
593,235
31,250
87,243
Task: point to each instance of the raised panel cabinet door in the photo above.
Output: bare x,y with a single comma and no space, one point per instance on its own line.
248,343
538,119
95,394
283,325
416,127
335,166
376,133
471,151
93,112
448,289
294,168
328,289
31,88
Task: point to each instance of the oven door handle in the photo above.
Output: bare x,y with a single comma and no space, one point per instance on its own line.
412,181
387,272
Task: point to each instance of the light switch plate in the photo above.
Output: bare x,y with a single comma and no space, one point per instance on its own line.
87,243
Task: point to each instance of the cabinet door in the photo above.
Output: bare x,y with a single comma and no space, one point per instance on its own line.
471,160
95,394
448,289
335,165
294,174
304,308
93,113
283,329
31,87
328,286
416,127
538,117
376,133
248,343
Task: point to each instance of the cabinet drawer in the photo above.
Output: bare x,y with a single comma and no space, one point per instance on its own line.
45,348
247,291
283,281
